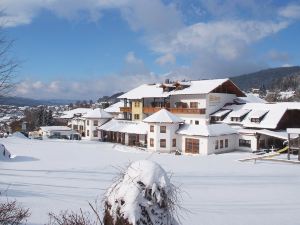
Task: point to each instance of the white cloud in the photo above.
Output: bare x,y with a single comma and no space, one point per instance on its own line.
132,59
292,11
223,38
83,89
166,59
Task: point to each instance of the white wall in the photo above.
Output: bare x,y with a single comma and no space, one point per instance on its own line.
93,128
215,101
207,144
156,135
200,98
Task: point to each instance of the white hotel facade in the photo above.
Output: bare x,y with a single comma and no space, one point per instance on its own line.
198,117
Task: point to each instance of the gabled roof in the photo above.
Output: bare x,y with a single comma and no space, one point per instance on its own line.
193,87
269,121
125,126
206,130
70,114
97,114
114,108
163,116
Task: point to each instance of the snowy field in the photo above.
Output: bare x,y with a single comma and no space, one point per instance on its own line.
54,175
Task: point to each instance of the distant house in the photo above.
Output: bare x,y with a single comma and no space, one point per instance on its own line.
57,132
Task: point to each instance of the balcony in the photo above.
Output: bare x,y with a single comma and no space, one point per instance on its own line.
125,109
149,110
187,111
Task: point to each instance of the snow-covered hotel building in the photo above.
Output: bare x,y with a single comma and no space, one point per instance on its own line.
199,117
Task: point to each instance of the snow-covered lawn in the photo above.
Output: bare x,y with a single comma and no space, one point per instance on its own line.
55,175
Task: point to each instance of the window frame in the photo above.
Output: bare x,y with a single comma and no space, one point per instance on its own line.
163,131
162,141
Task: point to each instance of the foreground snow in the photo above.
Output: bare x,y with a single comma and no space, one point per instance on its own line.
54,175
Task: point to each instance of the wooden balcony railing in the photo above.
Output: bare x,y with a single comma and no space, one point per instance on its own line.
174,110
125,109
186,111
151,109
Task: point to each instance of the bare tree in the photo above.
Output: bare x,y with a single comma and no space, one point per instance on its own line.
8,64
11,213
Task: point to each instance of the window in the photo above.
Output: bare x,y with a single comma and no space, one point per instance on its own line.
87,122
88,133
226,143
163,129
245,143
192,145
75,127
221,144
174,142
151,142
151,128
162,143
95,133
194,105
81,127
191,121
216,144
136,116
197,122
95,122
255,120
136,104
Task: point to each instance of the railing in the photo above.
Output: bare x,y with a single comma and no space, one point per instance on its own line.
151,109
125,109
186,111
174,110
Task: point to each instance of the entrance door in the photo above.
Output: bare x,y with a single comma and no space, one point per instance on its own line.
192,145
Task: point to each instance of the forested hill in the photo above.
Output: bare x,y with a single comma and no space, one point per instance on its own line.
270,78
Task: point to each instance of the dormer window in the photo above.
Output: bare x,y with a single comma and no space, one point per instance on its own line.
256,116
239,115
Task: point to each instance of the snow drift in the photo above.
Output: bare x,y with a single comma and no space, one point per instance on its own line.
143,195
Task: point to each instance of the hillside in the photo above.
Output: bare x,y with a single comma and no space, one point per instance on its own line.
270,78
19,101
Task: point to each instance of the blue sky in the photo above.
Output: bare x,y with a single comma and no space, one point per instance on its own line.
77,49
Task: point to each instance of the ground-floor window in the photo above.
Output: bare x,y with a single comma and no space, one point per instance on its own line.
162,143
136,116
95,133
151,142
244,143
88,133
221,144
191,145
216,144
75,127
226,143
174,142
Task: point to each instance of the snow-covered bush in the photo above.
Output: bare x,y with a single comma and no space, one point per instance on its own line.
143,195
4,153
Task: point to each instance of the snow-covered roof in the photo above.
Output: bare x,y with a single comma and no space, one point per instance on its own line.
269,121
125,126
157,90
256,114
277,134
239,113
97,114
114,108
206,130
70,114
54,128
221,112
293,130
163,116
200,87
250,98
146,91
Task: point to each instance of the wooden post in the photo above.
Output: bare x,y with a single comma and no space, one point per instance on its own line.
289,148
